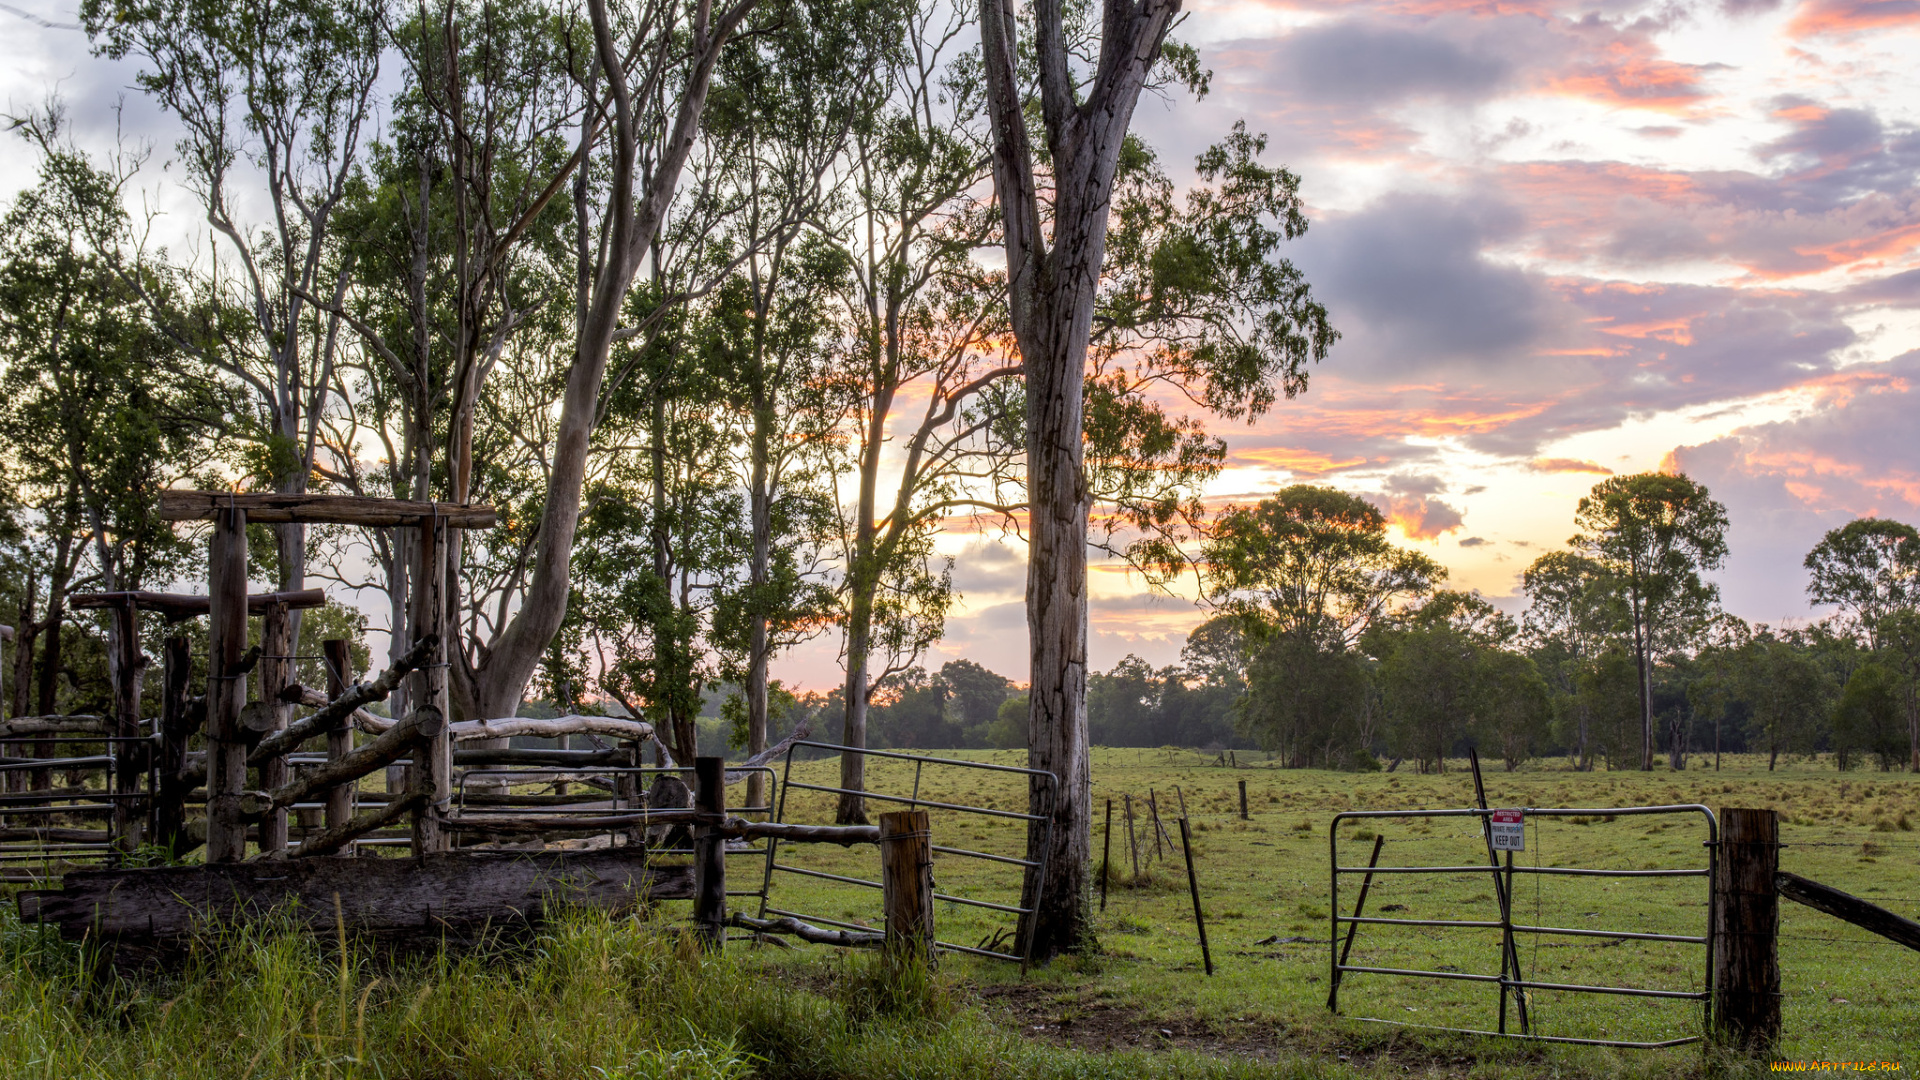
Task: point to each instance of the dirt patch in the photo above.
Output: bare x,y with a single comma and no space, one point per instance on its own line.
1059,1017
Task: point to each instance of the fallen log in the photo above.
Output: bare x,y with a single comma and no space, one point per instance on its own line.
1840,905
78,724
737,774
545,824
360,825
421,724
565,759
507,727
51,835
787,924
178,606
276,508
844,835
390,898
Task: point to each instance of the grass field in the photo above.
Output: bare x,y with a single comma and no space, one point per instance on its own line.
599,998
1848,994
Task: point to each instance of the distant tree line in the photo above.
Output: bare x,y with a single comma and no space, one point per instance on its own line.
1335,648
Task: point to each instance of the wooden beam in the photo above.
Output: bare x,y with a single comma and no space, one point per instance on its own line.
401,740
1865,915
276,508
178,606
341,836
787,924
419,897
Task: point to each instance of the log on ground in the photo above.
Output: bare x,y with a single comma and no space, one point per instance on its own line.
387,898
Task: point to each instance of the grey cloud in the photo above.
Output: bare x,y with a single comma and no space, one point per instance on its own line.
989,566
1408,280
1474,542
1785,484
1362,63
1414,484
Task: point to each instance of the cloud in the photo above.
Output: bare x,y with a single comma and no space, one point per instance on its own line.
1839,18
1568,465
1420,517
1474,542
1786,483
1408,280
1364,62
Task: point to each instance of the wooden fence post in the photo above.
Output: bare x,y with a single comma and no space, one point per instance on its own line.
129,758
339,662
1746,924
710,851
906,874
1243,801
276,674
226,686
432,768
176,729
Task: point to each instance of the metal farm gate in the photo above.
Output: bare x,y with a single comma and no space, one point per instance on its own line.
1511,986
1041,785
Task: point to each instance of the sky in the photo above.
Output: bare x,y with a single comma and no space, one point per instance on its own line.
1564,240
1561,240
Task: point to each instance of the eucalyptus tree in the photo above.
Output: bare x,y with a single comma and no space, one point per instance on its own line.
925,347
276,99
1787,693
788,104
98,407
1654,534
456,239
1899,638
1870,568
1570,614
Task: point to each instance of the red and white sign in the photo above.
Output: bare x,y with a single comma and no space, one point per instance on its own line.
1509,830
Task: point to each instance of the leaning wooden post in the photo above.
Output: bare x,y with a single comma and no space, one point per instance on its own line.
276,674
1193,887
339,661
129,757
710,851
226,685
1746,927
432,768
906,877
176,728
1106,855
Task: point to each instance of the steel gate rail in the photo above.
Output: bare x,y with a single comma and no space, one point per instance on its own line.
1050,791
1513,982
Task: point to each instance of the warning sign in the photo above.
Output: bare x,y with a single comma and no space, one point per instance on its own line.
1509,830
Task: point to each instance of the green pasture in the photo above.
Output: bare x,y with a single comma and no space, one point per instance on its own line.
1848,994
597,997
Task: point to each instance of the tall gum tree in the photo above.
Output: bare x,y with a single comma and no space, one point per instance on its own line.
656,68
275,98
1869,568
1654,534
1055,236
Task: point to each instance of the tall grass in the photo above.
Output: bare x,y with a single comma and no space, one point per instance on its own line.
592,997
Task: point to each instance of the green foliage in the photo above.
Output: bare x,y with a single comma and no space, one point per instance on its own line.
1311,562
1870,717
1870,568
